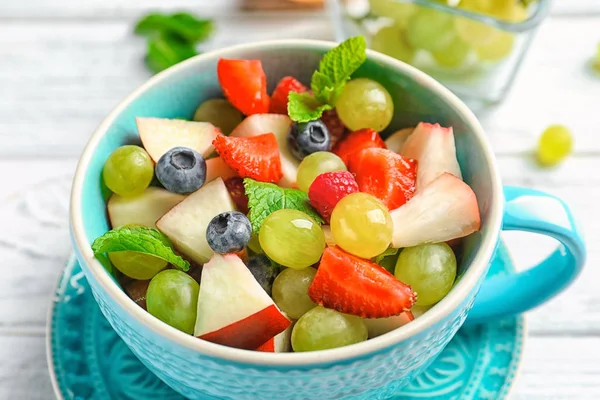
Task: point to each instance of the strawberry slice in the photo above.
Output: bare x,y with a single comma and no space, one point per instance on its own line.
255,157
244,84
329,188
357,141
352,285
384,174
279,99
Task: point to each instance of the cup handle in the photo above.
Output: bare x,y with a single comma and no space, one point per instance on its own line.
533,211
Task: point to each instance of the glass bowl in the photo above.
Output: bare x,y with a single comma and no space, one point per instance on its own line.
475,55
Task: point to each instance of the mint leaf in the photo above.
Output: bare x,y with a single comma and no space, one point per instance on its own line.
184,27
266,198
336,67
303,107
164,52
388,259
142,240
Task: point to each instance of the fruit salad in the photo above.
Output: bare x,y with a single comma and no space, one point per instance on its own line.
296,228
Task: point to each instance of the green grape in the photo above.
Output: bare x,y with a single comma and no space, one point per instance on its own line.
596,60
498,48
316,164
322,329
554,145
430,29
452,55
137,265
472,31
393,9
128,170
364,103
430,269
172,297
390,40
290,291
361,225
220,113
508,10
291,238
254,244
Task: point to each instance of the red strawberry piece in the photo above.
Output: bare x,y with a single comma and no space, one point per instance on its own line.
279,99
329,188
255,157
235,186
244,84
334,124
352,285
385,174
357,141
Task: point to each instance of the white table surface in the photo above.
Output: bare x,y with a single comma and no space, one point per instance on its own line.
65,64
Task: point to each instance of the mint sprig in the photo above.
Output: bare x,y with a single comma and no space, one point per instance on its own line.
142,240
327,83
387,259
266,198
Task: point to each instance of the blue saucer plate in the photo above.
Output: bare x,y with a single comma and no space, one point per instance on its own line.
88,360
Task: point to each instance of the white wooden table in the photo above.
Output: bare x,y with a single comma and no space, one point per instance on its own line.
65,64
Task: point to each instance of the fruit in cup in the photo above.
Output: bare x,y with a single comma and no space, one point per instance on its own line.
220,113
281,343
264,271
233,309
291,238
186,223
357,141
365,103
316,164
328,189
142,210
137,265
128,171
216,167
181,170
228,232
396,140
361,225
244,84
380,326
160,135
279,99
454,54
554,145
391,40
308,137
500,47
430,29
290,291
235,186
430,269
359,287
171,297
443,210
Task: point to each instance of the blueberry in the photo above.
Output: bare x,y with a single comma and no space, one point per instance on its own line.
228,232
181,170
264,270
308,137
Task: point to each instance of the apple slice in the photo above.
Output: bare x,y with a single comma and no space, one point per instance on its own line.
216,167
379,326
160,135
144,209
397,139
233,309
281,343
279,125
433,148
186,223
443,210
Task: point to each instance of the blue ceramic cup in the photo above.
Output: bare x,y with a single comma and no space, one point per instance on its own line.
373,369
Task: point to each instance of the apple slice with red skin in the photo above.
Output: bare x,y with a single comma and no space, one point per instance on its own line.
282,343
233,309
160,135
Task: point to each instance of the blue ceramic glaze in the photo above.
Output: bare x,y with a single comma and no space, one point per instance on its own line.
375,369
88,360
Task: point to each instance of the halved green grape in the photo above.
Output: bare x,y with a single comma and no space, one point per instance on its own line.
316,164
364,103
391,40
220,113
430,29
361,225
128,170
291,238
393,9
498,48
290,291
137,265
172,297
430,269
554,145
454,54
322,329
